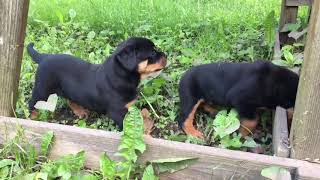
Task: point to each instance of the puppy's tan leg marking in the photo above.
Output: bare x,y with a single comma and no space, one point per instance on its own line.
248,126
78,110
130,103
188,123
290,112
34,115
209,109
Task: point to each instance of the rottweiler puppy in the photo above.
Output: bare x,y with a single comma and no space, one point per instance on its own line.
244,86
110,87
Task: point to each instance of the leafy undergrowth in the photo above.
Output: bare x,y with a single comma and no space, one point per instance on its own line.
196,32
20,159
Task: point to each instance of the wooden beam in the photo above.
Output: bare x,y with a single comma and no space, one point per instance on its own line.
305,131
213,163
299,2
13,21
280,135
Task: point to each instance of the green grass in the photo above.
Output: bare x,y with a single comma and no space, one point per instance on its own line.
191,32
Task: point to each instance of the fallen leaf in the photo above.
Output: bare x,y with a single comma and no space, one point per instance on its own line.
147,121
49,105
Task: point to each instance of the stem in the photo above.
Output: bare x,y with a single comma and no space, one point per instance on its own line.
151,107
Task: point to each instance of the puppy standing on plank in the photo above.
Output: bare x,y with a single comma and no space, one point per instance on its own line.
108,88
244,86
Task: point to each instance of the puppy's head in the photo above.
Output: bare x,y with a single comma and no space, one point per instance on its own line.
140,55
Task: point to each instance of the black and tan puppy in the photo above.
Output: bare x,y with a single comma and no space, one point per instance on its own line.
244,86
108,88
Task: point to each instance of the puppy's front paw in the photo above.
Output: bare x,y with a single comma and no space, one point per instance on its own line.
78,110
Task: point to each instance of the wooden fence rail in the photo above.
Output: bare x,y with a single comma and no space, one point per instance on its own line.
213,163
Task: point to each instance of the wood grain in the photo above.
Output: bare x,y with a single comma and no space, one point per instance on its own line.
213,163
13,18
305,131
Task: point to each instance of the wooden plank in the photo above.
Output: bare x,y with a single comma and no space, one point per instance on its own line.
305,134
280,139
288,14
13,21
213,163
299,2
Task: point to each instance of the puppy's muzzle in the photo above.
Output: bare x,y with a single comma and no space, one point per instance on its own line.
162,62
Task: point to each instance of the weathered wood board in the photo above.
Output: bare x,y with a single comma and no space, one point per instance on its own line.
299,2
280,134
213,163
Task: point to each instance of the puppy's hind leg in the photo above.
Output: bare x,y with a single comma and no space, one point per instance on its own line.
38,94
186,117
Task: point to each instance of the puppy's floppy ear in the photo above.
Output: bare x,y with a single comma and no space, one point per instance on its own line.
127,58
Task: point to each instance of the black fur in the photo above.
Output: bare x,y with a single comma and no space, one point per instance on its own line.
244,86
104,88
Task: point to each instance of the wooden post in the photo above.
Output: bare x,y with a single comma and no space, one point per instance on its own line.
305,131
13,21
288,15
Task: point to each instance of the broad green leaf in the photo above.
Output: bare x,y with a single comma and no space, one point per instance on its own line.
249,143
72,13
82,123
64,172
274,172
91,35
6,162
171,164
298,61
131,141
195,140
288,56
107,167
148,174
46,141
225,124
234,142
4,172
49,105
180,138
42,175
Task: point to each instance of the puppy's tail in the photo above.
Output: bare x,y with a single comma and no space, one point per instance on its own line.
36,56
